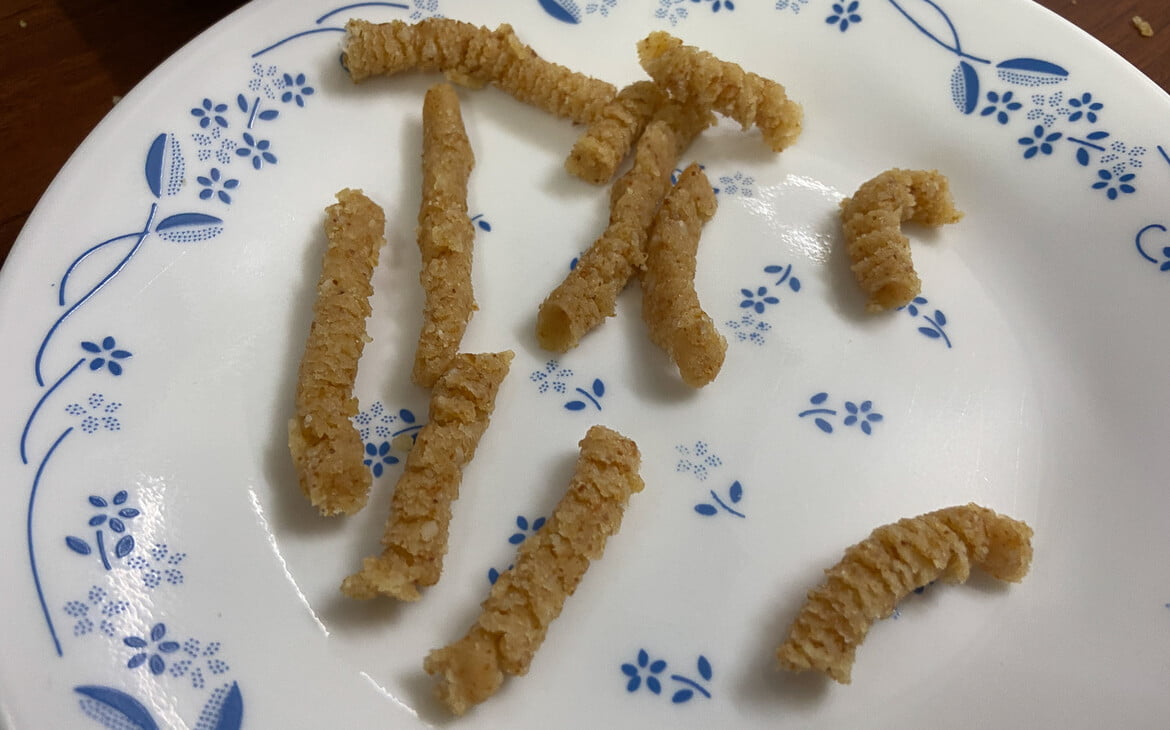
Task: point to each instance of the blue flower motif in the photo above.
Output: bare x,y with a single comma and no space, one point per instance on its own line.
1039,142
207,113
757,300
258,150
212,181
115,520
377,456
863,414
672,10
700,460
793,5
107,355
644,666
1113,184
1000,106
737,184
525,528
749,329
551,378
296,89
90,413
1085,108
843,15
161,565
154,648
718,5
602,7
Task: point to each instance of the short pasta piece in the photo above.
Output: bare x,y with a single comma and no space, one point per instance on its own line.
885,567
589,293
415,540
872,221
670,306
602,147
694,76
473,56
446,235
549,565
326,448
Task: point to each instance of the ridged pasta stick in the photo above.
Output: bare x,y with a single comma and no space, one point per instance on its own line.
885,567
415,540
326,448
549,565
589,293
446,235
473,56
670,306
694,76
601,148
872,221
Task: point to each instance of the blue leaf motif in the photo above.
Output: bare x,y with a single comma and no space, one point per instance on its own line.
154,164
575,405
773,269
965,87
77,545
1097,136
242,103
683,695
598,388
135,642
1030,72
485,226
124,547
189,227
705,509
269,114
158,631
231,712
940,318
130,710
563,10
98,502
406,415
91,347
123,495
736,492
930,332
705,666
818,399
1083,157
823,425
157,665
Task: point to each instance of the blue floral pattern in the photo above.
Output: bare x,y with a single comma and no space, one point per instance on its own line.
112,514
936,322
1143,248
697,459
711,509
555,379
844,15
649,673
823,414
757,300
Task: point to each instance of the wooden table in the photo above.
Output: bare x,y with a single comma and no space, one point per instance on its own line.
63,63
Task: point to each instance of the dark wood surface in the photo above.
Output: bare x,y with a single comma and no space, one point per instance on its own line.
64,62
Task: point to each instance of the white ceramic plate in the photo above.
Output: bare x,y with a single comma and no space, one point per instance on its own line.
163,570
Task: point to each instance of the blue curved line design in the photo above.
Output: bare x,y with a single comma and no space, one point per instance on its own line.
82,257
408,429
294,36
32,416
1138,240
955,49
343,8
724,505
121,264
590,397
32,557
691,683
940,330
1165,156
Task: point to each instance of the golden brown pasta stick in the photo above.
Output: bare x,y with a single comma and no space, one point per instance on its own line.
589,293
884,568
549,565
326,448
697,77
415,539
670,306
445,235
602,147
473,56
872,221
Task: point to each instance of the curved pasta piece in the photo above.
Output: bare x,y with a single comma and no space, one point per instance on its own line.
415,539
884,568
326,448
446,236
670,307
601,148
872,221
549,566
589,293
473,56
694,76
